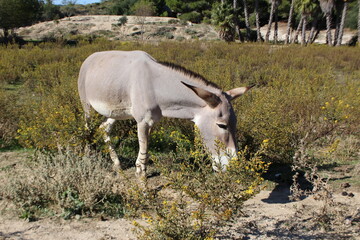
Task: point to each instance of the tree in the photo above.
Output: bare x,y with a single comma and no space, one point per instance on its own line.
257,21
143,9
236,20
287,38
314,25
273,11
358,40
121,7
50,11
18,13
295,38
306,8
69,7
223,17
247,23
181,7
342,23
326,7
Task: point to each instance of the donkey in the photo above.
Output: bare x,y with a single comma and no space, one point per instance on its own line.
131,84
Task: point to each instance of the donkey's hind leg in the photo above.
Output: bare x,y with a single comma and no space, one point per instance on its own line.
106,126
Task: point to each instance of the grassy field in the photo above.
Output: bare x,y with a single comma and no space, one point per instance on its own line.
303,111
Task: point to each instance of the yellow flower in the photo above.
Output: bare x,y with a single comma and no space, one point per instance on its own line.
135,223
265,140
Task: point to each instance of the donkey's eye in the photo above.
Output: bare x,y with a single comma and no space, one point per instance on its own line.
223,126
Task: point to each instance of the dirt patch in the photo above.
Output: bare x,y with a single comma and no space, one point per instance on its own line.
269,215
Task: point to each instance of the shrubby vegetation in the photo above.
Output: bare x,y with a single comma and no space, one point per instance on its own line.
304,102
292,96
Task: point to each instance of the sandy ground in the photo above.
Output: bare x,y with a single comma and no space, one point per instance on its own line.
269,215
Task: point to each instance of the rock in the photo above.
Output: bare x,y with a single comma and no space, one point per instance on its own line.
345,185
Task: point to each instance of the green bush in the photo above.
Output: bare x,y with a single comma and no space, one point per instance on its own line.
193,17
194,201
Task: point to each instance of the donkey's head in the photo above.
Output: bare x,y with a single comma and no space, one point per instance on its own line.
217,122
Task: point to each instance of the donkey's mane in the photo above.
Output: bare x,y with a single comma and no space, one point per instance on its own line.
193,75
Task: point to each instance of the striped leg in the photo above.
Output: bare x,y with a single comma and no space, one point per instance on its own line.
141,161
106,126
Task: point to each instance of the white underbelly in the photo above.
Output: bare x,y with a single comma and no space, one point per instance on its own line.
119,112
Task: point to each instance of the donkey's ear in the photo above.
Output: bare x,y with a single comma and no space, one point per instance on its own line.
210,98
237,92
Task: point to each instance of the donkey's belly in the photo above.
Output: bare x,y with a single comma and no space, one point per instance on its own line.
119,111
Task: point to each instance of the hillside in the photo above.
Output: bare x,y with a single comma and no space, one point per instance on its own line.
139,28
147,28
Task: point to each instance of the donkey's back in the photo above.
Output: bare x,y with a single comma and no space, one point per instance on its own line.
106,81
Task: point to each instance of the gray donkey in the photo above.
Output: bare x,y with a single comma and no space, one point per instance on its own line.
131,84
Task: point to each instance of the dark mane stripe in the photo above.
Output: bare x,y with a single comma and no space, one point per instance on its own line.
189,73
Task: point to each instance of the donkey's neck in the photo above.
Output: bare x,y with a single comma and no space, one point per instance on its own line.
175,99
183,112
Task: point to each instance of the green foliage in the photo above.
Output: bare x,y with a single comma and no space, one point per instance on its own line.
194,11
223,16
143,8
8,120
193,16
201,200
50,11
122,21
18,13
42,108
121,7
351,20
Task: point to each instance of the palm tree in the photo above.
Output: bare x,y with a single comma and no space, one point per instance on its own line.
237,21
358,40
306,7
223,16
272,11
273,14
341,28
287,38
257,20
295,38
326,7
314,30
247,24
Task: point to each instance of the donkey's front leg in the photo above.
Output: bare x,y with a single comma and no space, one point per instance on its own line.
141,161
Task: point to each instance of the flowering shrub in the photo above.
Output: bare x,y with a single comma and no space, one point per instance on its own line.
201,200
290,93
